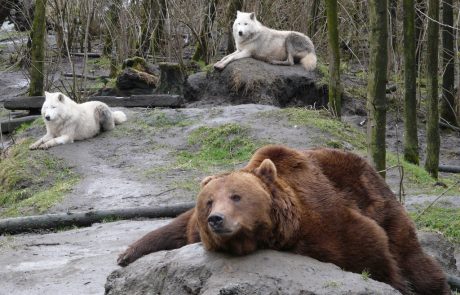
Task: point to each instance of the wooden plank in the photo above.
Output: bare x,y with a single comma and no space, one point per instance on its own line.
11,125
52,221
89,54
154,100
449,168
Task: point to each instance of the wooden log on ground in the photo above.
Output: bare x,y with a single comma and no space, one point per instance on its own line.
11,125
152,100
53,221
449,168
70,75
24,103
89,54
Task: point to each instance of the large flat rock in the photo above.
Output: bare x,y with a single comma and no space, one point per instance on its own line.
192,270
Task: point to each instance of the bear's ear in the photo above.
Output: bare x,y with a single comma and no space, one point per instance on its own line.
61,97
252,16
206,180
266,170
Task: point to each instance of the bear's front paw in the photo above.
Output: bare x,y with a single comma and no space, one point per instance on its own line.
126,257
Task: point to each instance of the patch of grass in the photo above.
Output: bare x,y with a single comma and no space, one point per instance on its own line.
227,144
365,274
189,185
322,120
32,181
444,220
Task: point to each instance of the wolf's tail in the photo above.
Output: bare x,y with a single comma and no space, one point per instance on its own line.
309,61
119,117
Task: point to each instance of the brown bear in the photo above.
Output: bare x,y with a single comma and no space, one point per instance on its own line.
324,203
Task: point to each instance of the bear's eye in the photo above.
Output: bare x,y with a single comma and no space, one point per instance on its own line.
209,203
235,198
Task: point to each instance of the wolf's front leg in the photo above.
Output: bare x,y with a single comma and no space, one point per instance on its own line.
41,141
56,141
220,65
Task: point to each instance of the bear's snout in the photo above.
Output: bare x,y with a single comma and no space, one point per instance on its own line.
216,221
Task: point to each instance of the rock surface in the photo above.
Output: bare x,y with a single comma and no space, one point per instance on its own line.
252,81
436,245
192,270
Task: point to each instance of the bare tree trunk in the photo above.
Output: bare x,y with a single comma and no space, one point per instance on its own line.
314,12
158,33
410,84
334,62
419,28
432,123
232,8
202,51
376,98
448,62
38,35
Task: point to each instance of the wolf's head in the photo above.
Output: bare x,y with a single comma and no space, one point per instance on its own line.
54,106
245,25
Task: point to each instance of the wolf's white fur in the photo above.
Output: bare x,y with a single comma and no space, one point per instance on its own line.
277,47
67,121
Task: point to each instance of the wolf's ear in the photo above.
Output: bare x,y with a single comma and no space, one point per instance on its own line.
266,170
61,97
252,16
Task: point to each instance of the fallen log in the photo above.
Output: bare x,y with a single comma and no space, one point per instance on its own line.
54,221
11,125
70,75
89,54
454,283
34,103
449,168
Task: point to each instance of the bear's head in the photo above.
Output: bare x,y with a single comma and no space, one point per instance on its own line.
235,211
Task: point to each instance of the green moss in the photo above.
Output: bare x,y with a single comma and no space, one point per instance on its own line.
32,181
225,145
444,220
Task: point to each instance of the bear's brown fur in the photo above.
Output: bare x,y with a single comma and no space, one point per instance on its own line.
327,204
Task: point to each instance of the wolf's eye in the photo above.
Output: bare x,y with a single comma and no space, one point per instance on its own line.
245,24
235,198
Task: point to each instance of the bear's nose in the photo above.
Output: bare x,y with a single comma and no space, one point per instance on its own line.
240,33
47,118
216,220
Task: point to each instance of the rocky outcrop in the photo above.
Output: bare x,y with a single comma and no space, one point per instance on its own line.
192,270
252,81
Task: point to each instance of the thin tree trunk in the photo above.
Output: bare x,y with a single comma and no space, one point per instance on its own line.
38,49
202,51
448,63
410,84
376,98
334,62
419,28
314,12
158,33
432,125
232,8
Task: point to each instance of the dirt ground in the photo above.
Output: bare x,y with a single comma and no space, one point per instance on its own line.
133,166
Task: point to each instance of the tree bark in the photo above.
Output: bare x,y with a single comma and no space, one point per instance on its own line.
410,84
448,103
38,33
232,8
432,126
202,51
376,98
314,12
419,30
334,59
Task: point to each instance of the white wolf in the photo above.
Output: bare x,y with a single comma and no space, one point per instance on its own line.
67,121
277,47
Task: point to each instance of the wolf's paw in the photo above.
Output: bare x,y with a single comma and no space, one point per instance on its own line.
35,146
127,257
219,66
